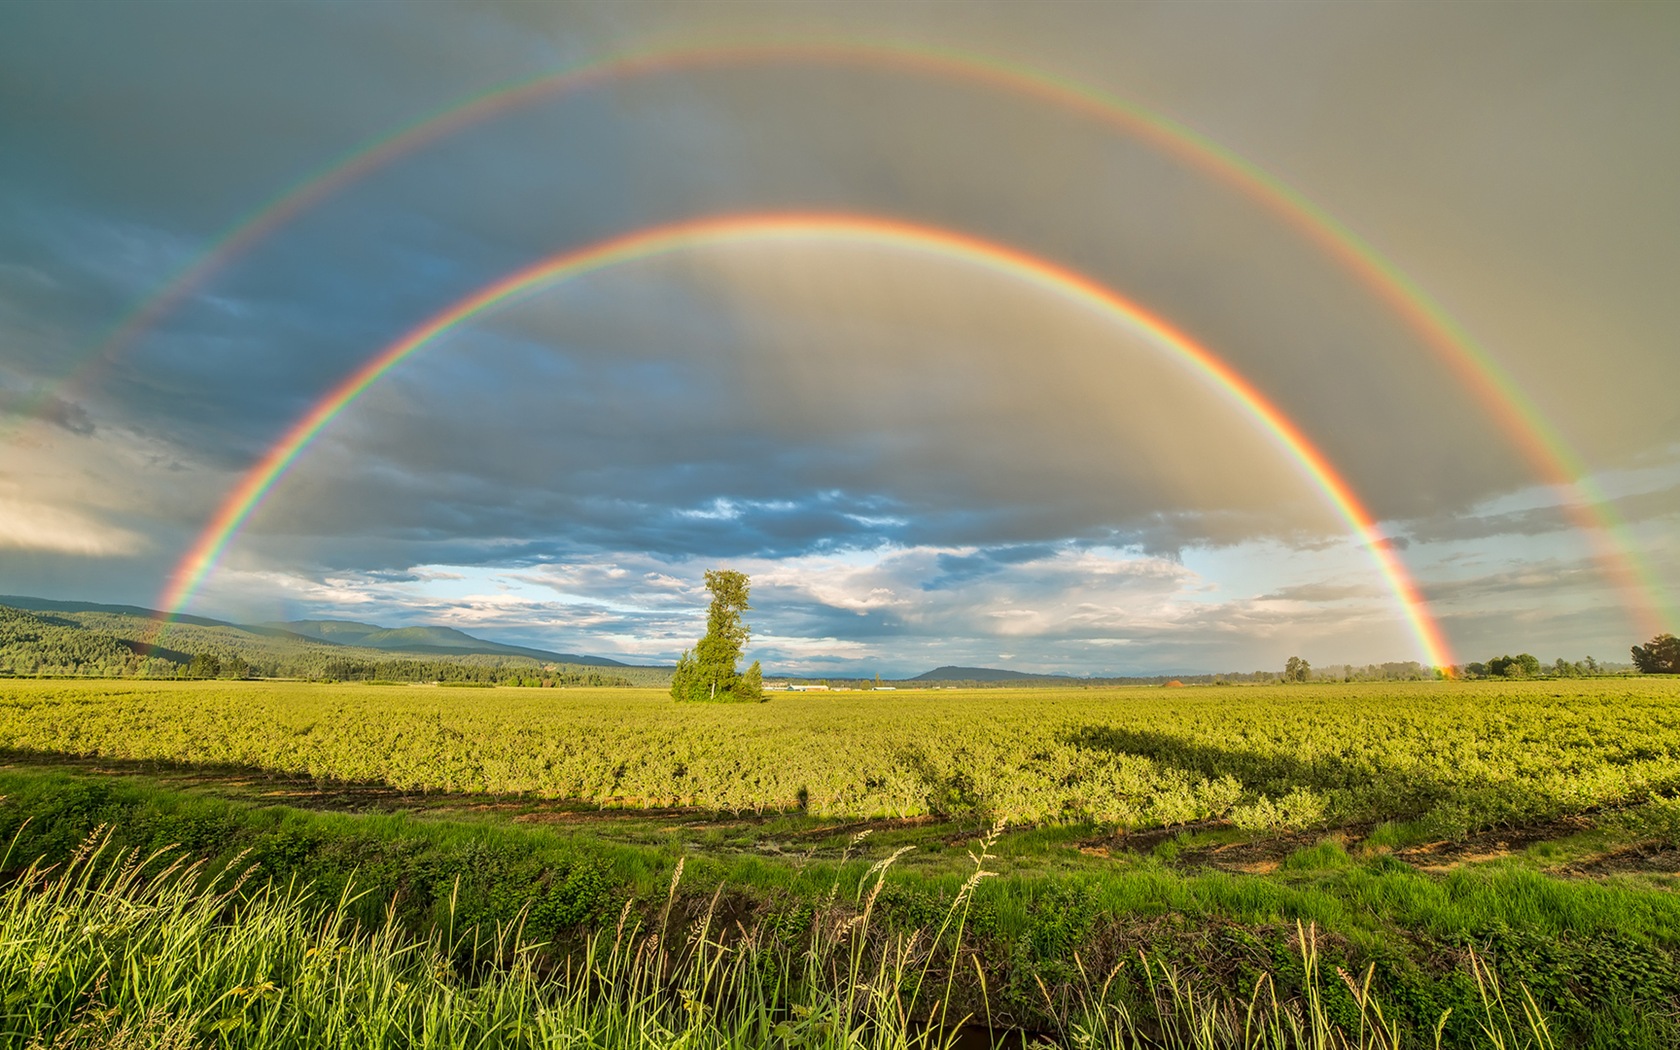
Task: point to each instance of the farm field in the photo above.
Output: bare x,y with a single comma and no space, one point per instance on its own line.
1407,828
1454,757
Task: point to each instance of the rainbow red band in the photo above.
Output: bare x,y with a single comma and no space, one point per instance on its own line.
260,480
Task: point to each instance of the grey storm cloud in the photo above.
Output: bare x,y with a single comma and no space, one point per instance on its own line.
960,568
1536,521
46,408
1553,577
841,422
787,401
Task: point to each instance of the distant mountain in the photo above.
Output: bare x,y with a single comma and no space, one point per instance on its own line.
125,621
948,673
18,601
442,640
338,632
978,674
951,674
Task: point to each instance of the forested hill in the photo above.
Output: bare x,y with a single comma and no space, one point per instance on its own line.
31,644
53,605
39,636
425,640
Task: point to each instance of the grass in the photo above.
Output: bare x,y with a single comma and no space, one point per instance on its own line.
116,949
1599,956
1230,851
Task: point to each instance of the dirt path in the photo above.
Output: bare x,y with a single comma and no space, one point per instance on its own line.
797,837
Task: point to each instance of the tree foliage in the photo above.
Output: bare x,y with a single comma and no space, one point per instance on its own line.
1522,665
708,672
1661,655
32,644
1296,670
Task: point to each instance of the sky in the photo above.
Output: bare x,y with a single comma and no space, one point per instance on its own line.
919,457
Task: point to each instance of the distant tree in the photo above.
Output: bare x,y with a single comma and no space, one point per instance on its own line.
204,665
1591,665
709,672
1296,670
1659,656
1475,670
1523,665
236,667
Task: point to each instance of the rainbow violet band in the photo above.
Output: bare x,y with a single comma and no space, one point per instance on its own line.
1548,453
260,480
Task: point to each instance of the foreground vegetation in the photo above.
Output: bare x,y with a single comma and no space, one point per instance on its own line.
1418,834
1451,757
128,948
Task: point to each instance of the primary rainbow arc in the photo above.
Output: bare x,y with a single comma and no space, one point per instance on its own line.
260,480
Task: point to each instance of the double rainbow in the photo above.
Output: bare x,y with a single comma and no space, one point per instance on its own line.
1551,456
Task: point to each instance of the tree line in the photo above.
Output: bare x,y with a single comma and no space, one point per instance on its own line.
410,670
1659,656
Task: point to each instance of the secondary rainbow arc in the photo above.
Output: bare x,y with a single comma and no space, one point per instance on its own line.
260,480
1542,445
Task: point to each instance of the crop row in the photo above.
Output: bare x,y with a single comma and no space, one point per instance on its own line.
1459,754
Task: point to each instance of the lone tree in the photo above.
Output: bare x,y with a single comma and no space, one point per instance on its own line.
1296,670
709,673
1660,656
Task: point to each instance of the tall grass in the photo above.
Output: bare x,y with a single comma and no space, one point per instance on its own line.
115,949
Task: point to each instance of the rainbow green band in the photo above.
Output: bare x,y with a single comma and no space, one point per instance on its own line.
732,229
